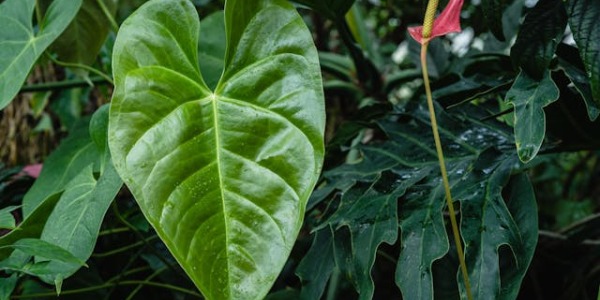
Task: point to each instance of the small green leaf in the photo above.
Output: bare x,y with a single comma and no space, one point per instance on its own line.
75,153
540,33
223,176
31,227
493,10
75,222
21,46
529,96
37,247
583,20
99,128
7,220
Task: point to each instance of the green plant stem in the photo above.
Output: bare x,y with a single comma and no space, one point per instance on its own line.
128,272
38,14
109,16
103,286
440,154
59,85
141,237
122,275
124,249
140,286
333,284
81,66
114,231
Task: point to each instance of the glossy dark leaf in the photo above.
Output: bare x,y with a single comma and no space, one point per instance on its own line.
404,168
21,45
487,224
366,218
529,97
540,33
316,267
583,20
223,175
523,209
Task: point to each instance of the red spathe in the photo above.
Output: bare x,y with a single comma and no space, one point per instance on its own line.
448,21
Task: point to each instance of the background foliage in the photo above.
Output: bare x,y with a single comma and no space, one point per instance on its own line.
518,93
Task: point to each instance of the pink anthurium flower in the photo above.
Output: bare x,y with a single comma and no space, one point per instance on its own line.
33,170
448,21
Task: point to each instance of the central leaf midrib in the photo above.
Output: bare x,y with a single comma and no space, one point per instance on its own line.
221,185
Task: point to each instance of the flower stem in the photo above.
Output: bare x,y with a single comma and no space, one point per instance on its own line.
440,154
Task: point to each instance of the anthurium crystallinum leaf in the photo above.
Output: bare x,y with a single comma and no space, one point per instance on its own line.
223,176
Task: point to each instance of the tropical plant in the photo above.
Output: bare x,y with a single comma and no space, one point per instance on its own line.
300,149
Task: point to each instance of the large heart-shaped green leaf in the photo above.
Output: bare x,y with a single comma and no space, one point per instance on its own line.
21,46
223,175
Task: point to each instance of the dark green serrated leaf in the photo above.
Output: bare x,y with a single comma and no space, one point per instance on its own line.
366,218
584,20
487,224
529,97
493,10
315,268
478,176
538,37
223,176
523,208
21,45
